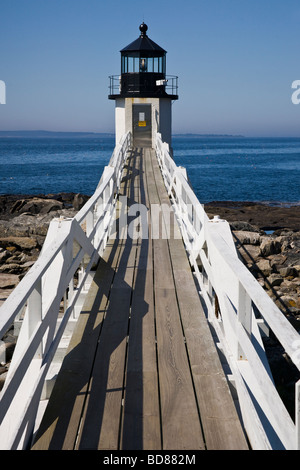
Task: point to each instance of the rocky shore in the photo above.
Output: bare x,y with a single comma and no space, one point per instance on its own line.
264,216
24,221
267,239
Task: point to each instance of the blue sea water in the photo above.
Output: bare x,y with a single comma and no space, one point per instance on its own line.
219,168
241,169
52,165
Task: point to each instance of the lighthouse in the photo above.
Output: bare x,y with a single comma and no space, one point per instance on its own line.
143,93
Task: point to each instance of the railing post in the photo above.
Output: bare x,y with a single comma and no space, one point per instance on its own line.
35,313
89,223
297,414
32,316
244,315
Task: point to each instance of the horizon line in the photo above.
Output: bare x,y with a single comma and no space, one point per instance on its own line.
41,131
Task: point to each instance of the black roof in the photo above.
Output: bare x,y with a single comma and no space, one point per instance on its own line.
143,43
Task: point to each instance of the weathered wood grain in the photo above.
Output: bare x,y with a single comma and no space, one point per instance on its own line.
142,370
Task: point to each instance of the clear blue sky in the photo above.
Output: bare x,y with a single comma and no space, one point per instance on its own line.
236,61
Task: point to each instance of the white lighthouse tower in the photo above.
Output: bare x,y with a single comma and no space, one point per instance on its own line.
143,93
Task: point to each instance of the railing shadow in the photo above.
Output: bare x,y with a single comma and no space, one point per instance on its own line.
132,432
86,400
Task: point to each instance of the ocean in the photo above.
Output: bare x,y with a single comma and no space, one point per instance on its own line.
220,168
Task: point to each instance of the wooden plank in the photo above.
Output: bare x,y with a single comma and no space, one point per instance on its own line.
141,420
102,411
181,427
141,417
220,421
180,421
101,416
61,420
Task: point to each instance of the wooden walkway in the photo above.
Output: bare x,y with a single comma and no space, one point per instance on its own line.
142,370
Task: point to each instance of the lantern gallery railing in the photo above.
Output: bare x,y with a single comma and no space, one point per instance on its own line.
138,83
236,305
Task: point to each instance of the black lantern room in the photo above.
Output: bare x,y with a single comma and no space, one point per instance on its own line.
143,71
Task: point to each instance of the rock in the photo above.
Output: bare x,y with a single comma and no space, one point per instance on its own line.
12,268
275,280
36,206
288,271
249,253
9,349
247,238
264,216
79,201
28,264
295,244
270,247
292,258
288,286
264,266
297,268
240,226
17,206
8,281
277,262
11,249
21,243
3,255
289,300
2,379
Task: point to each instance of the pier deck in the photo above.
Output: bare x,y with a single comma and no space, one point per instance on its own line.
142,370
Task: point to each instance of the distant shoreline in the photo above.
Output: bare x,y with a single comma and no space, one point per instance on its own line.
55,134
65,134
43,133
192,136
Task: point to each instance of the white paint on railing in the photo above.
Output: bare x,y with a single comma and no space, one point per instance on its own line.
71,245
232,298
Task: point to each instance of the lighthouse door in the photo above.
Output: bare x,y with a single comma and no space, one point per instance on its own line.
142,126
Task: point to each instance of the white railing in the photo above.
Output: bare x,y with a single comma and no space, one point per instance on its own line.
236,305
71,246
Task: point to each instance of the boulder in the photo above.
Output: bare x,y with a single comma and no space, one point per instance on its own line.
247,237
36,206
297,268
8,281
249,253
288,271
274,280
20,243
270,247
3,255
11,268
264,266
277,262
240,226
